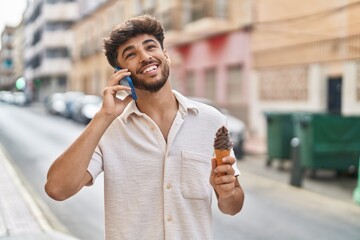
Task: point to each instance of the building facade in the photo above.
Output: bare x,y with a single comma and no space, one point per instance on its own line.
47,44
209,49
7,58
305,58
19,41
90,70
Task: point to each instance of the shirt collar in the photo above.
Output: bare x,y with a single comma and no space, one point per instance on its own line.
185,106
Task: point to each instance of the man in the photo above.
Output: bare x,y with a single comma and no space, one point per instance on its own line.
156,152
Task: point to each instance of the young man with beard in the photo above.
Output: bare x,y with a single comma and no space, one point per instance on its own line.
156,152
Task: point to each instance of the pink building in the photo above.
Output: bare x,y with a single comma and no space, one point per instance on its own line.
215,67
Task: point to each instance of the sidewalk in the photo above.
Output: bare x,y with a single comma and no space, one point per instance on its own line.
20,217
325,183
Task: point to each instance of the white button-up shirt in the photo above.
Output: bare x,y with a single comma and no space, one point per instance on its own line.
157,189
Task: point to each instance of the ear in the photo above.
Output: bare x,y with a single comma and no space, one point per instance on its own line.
167,56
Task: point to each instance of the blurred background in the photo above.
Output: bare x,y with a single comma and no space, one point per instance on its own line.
286,73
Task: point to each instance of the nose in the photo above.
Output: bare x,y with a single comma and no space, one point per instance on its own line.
144,57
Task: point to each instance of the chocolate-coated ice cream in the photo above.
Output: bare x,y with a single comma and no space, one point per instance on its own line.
222,139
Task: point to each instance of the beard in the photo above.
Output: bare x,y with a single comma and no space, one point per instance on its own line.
152,86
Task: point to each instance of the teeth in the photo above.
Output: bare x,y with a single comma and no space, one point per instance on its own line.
150,69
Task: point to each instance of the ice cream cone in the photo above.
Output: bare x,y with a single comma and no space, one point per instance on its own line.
219,155
222,145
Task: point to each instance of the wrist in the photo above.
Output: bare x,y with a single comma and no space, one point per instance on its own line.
104,117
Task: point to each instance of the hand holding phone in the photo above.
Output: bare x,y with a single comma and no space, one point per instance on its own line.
127,81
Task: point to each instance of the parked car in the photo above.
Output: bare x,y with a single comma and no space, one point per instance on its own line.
62,103
20,99
85,108
6,97
236,127
69,99
55,103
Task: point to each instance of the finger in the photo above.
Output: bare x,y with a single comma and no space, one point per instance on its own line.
227,187
229,159
226,179
113,89
225,169
116,77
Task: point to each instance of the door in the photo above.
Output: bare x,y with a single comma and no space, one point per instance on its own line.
334,95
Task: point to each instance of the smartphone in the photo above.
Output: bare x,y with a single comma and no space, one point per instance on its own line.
126,81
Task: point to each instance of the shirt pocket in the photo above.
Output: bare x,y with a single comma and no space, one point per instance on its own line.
195,174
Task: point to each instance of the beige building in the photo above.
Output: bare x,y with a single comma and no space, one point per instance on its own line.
198,26
47,43
305,58
7,58
90,70
19,41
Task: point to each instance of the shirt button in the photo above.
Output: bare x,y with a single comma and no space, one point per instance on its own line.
169,218
168,186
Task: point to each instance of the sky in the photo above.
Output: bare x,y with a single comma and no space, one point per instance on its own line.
11,12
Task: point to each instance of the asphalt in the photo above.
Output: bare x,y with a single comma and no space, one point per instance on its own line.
22,219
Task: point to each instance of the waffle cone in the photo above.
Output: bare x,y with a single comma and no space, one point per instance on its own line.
220,154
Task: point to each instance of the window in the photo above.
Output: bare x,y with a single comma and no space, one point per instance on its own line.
36,38
53,26
235,79
61,81
58,1
221,8
57,53
8,64
186,17
194,10
138,6
210,84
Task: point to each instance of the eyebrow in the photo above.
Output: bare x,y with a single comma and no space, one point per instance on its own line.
131,47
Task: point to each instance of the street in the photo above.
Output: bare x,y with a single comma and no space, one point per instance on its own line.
33,139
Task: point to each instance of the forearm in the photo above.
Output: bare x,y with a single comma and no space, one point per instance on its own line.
232,204
66,175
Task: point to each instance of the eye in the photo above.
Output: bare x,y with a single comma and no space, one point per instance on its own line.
150,47
130,55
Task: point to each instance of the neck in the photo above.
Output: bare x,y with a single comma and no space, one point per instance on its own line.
161,107
158,103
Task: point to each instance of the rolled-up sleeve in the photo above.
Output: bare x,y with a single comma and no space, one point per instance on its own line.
96,164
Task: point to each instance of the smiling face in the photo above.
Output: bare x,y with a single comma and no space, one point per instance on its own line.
146,60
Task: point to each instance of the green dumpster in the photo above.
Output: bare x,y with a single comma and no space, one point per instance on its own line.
356,194
280,131
328,141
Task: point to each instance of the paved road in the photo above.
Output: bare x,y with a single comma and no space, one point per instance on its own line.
272,210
